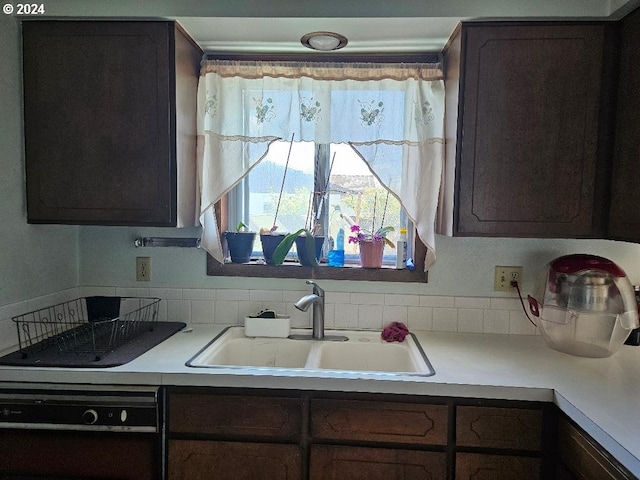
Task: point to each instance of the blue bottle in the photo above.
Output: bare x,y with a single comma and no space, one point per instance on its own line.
340,240
335,258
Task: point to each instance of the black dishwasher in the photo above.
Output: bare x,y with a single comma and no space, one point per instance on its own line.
82,434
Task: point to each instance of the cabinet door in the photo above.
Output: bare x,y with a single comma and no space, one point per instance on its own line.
99,139
585,458
624,221
527,136
209,460
357,463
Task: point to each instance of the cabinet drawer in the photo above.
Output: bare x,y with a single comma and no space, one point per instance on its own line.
489,427
379,421
235,416
496,467
359,463
194,460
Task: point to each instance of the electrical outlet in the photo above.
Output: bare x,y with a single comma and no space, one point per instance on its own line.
504,276
143,269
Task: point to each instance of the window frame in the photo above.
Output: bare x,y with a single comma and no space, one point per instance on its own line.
291,269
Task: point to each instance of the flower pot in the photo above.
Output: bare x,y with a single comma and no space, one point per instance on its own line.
371,253
269,243
240,245
303,256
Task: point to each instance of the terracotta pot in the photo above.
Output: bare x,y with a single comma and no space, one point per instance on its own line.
371,254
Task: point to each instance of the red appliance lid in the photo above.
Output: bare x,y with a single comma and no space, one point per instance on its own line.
570,264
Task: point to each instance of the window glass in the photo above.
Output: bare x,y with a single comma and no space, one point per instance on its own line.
354,195
263,189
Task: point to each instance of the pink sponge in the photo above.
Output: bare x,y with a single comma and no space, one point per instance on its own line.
395,332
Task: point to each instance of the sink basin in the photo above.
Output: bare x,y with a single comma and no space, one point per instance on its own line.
232,348
364,352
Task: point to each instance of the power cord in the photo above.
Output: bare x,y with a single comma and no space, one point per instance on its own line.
514,283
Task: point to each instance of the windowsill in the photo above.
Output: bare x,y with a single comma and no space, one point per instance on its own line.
323,272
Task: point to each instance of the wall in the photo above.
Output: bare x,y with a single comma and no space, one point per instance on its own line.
34,259
43,263
458,297
464,266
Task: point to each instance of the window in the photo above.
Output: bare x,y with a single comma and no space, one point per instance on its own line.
354,196
381,122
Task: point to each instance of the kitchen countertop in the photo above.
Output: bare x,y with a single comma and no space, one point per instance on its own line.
599,394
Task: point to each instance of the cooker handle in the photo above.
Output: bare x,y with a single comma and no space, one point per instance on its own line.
534,306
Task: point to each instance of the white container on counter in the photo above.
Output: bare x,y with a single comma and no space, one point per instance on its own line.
279,327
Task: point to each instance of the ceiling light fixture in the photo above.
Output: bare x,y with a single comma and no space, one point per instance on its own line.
324,41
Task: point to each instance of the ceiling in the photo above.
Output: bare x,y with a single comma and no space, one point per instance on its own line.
414,26
371,26
282,35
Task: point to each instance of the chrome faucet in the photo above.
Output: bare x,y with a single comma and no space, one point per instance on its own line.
317,300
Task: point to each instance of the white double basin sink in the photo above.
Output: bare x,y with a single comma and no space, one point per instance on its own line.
364,351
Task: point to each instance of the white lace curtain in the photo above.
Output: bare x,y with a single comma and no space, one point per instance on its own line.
392,115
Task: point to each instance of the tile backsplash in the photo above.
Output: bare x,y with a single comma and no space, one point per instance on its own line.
343,309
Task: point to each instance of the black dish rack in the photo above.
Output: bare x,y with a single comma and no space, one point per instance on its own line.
94,325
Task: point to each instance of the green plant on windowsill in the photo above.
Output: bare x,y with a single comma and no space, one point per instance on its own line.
309,254
240,243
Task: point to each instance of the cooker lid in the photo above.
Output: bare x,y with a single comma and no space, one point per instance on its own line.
573,264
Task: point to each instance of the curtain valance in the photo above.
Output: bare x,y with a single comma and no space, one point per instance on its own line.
323,71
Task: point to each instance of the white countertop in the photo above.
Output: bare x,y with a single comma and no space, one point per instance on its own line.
600,394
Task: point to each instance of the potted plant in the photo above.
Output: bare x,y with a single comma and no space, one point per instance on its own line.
270,241
371,245
240,243
309,248
308,245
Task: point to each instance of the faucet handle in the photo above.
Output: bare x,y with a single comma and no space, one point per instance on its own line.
316,288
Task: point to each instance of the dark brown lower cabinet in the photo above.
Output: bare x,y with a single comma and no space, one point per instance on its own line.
331,462
582,458
477,466
200,460
220,434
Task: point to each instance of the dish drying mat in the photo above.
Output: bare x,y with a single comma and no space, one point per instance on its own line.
119,355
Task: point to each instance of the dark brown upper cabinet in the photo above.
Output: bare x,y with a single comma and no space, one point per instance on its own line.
110,121
624,219
529,160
